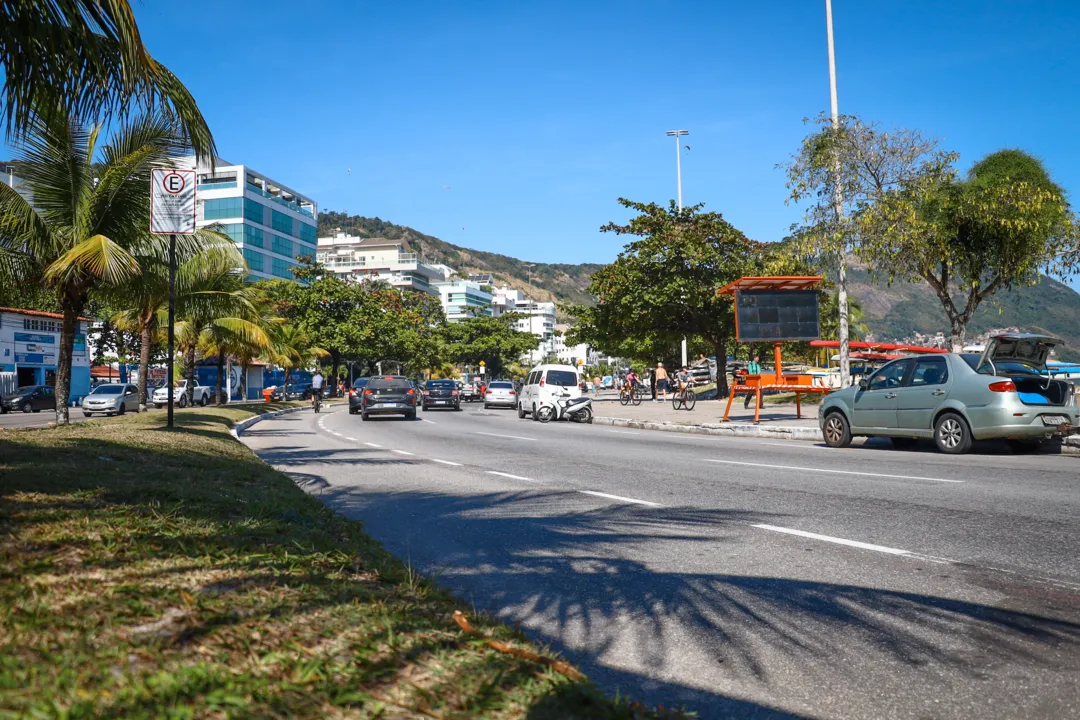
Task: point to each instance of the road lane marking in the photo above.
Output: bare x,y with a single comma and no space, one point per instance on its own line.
788,444
622,432
838,541
372,445
401,452
620,498
835,472
512,437
428,421
508,475
446,462
352,439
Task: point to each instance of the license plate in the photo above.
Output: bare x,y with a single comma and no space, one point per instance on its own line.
440,402
1054,419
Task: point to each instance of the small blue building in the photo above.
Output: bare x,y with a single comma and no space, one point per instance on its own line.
30,346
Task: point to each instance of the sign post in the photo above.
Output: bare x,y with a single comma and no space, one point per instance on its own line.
172,213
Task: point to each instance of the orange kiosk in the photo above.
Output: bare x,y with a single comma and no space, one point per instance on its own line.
775,309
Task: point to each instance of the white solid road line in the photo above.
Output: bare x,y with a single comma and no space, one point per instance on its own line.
790,444
836,472
512,437
620,498
446,462
372,445
401,452
838,541
508,475
429,421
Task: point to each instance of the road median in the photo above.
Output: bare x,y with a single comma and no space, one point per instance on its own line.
147,571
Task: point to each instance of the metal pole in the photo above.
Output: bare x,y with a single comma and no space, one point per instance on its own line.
678,168
838,207
172,329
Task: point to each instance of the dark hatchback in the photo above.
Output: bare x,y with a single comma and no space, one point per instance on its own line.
442,393
298,391
33,398
388,395
356,395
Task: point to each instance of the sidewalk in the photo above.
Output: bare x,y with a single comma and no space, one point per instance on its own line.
777,421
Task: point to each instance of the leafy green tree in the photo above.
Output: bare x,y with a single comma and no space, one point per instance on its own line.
493,340
90,220
663,286
86,56
292,348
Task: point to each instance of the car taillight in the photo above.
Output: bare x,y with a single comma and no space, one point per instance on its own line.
352,393
541,383
512,392
1003,386
455,392
367,392
411,392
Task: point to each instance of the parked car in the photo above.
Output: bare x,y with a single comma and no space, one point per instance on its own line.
272,394
32,398
200,395
298,391
500,393
441,393
1004,393
542,384
388,395
113,399
356,393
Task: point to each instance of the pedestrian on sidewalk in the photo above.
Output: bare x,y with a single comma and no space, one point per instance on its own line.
596,386
661,381
652,383
752,368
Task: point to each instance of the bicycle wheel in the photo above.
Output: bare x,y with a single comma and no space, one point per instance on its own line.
690,399
624,397
676,400
637,396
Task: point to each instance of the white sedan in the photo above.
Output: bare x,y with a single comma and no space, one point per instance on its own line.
500,393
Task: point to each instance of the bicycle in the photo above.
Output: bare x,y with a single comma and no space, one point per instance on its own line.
684,397
630,394
316,400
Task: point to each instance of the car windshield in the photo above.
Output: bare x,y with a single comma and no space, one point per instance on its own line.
108,390
360,382
388,384
562,378
501,386
27,390
441,384
1005,367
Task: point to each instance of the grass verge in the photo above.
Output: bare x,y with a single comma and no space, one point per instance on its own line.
147,572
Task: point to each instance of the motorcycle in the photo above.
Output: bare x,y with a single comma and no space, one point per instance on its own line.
578,409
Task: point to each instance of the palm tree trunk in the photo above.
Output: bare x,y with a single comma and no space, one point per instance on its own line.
220,377
72,306
190,390
243,380
145,337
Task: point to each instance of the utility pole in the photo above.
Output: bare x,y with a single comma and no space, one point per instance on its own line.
838,207
172,326
677,134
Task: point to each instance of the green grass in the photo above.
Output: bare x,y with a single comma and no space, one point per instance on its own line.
147,572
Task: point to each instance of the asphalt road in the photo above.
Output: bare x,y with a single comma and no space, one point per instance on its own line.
738,577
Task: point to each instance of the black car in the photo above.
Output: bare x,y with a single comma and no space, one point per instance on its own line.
298,391
356,394
33,398
388,395
442,393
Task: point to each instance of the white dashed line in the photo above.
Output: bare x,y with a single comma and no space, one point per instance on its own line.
622,432
401,452
512,437
838,541
620,498
835,472
351,439
446,462
508,475
429,421
372,445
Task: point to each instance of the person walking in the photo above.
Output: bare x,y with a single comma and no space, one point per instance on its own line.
661,381
752,368
652,383
596,385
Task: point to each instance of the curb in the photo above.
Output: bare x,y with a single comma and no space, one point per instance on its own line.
245,424
729,429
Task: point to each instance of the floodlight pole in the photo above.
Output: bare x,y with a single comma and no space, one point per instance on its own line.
838,207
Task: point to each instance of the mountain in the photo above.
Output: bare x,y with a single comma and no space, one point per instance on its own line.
537,280
892,312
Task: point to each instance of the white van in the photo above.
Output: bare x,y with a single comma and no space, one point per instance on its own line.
543,383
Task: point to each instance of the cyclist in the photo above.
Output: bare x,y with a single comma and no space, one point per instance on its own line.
317,382
683,378
630,382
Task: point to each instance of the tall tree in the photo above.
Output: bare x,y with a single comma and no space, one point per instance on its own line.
88,57
493,340
90,222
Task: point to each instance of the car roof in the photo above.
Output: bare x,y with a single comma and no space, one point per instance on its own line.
554,366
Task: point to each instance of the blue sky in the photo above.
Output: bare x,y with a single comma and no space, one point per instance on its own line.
539,115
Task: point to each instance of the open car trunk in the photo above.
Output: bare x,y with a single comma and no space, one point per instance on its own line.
1022,357
1042,391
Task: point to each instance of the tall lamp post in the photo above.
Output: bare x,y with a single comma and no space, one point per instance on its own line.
838,207
678,174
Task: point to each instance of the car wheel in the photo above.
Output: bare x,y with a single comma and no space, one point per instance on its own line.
86,414
410,415
521,412
122,409
837,431
486,406
204,401
904,443
1025,447
183,401
533,413
952,435
27,407
363,416
158,405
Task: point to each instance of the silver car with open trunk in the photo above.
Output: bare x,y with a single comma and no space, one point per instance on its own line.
1004,393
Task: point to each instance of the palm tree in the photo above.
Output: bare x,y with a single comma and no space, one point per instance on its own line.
148,293
89,222
292,348
88,57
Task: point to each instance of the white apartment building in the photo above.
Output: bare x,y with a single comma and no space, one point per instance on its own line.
365,259
569,354
505,300
462,299
540,321
272,224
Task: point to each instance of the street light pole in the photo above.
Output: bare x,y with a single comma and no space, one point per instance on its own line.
838,207
678,173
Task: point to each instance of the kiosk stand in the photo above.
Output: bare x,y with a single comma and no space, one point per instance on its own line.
775,309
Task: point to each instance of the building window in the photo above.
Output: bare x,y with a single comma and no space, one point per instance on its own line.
221,208
235,231
282,246
46,325
253,236
282,268
255,260
308,233
281,222
253,211
217,181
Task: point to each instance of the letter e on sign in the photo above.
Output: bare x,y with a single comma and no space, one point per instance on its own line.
172,201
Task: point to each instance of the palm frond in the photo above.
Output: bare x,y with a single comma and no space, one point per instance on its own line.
98,257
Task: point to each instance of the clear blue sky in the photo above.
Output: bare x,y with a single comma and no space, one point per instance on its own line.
538,115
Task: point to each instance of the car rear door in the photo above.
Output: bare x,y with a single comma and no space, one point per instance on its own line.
875,407
923,393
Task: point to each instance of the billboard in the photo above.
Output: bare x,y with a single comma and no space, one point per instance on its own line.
776,315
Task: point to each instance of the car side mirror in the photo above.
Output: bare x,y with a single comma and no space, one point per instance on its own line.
864,384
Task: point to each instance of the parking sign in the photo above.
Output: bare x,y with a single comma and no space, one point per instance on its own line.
172,201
